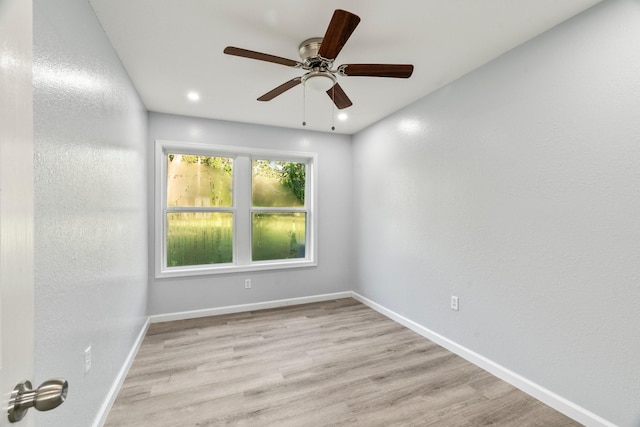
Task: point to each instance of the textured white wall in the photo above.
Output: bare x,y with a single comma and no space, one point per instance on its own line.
334,212
90,208
517,188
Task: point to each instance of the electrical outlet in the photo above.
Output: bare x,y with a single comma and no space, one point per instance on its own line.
247,283
87,360
454,303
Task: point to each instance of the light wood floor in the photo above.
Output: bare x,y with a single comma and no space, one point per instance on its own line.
334,363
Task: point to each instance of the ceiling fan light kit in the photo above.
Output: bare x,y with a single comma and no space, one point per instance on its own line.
319,80
317,56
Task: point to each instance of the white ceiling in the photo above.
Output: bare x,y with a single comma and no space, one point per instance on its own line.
171,47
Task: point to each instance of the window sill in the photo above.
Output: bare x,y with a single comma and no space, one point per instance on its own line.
231,268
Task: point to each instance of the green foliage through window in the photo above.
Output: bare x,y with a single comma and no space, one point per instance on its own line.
278,183
198,238
294,177
278,236
196,181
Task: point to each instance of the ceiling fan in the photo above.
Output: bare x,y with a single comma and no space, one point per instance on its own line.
317,55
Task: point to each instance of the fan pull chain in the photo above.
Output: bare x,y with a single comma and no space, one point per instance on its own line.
304,105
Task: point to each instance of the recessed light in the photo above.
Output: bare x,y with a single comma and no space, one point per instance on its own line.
343,116
193,96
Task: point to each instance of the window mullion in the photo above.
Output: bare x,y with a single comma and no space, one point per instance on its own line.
242,203
278,209
198,209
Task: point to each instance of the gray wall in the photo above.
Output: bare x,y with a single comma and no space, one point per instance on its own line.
517,188
90,208
171,295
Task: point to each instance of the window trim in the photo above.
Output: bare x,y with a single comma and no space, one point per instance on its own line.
242,259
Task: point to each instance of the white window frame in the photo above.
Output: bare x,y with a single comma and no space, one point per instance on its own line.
241,208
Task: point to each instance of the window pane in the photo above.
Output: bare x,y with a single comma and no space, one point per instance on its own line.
277,184
278,236
197,238
195,181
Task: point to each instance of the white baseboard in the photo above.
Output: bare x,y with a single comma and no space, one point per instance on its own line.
102,415
544,395
247,307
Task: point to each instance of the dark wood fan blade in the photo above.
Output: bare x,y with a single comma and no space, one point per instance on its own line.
236,51
339,97
340,28
280,89
402,71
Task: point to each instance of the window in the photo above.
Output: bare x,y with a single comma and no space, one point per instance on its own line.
230,209
278,214
199,210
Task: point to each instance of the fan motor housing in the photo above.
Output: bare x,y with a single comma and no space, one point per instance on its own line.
308,51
